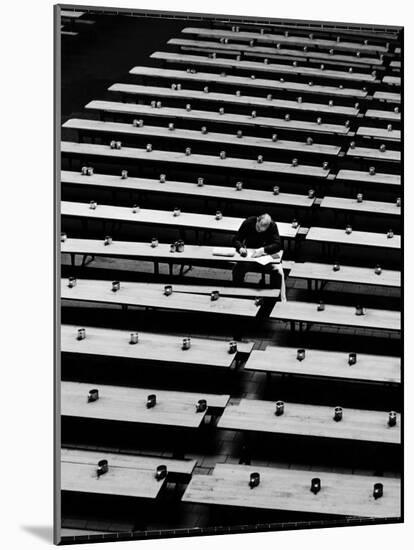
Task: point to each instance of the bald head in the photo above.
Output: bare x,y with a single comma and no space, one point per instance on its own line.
263,222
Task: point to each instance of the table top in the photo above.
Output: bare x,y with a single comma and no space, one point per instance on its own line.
299,54
216,117
194,159
376,154
376,207
188,188
244,81
277,68
326,364
151,347
281,489
71,14
379,319
196,135
282,39
311,421
346,274
388,96
392,80
366,177
245,100
379,133
357,238
161,217
135,294
383,115
125,404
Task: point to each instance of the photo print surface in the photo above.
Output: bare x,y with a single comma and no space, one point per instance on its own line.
229,224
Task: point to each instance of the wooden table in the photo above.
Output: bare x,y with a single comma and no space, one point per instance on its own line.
392,80
347,274
253,415
69,14
150,296
358,177
243,81
343,316
379,133
159,218
282,39
364,207
356,238
383,115
210,116
244,100
181,188
173,157
388,97
374,154
151,347
280,52
326,364
99,126
281,489
123,404
278,68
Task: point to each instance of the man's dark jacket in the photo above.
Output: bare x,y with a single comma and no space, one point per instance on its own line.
248,237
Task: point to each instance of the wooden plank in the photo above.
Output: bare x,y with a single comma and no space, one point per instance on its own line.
378,319
383,115
277,68
389,97
280,489
245,100
326,364
283,39
181,188
161,217
392,80
151,347
364,207
358,176
346,274
174,157
69,14
310,421
306,56
210,116
129,482
243,81
124,404
379,133
134,294
100,126
356,238
375,154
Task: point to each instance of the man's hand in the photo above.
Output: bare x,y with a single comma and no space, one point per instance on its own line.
258,252
243,252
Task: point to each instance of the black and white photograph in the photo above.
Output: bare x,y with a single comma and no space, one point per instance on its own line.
229,230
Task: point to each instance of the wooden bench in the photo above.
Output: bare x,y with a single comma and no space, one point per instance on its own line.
346,274
365,207
280,489
276,68
301,55
342,316
310,421
124,404
379,133
388,97
216,118
356,238
248,82
152,296
325,364
100,127
374,154
383,115
244,100
282,39
162,218
358,177
151,347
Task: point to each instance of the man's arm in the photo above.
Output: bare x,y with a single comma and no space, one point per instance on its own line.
274,243
239,238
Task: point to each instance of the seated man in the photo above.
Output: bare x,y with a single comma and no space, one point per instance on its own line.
261,234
